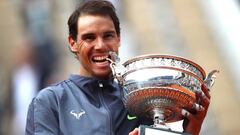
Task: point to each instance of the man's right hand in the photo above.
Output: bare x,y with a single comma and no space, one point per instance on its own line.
134,132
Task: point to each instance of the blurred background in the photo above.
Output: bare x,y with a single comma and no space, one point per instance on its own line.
34,52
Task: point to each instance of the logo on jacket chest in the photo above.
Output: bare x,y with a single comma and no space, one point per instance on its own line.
77,114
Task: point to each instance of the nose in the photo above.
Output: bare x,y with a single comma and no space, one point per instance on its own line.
100,44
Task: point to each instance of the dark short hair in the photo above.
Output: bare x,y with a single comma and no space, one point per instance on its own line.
92,7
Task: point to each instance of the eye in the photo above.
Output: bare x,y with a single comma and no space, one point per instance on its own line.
88,37
109,36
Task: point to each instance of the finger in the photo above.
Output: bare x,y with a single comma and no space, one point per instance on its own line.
197,107
205,90
192,123
202,98
186,114
134,132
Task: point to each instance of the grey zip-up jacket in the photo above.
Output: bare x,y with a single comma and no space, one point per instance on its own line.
79,106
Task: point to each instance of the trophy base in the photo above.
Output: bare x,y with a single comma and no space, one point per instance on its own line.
148,130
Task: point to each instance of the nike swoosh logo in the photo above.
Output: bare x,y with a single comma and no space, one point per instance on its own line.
131,117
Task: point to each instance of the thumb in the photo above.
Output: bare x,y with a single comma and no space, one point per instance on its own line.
134,132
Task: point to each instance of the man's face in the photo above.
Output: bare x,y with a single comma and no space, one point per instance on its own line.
96,37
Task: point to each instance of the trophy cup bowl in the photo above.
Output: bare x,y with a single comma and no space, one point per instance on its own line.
157,87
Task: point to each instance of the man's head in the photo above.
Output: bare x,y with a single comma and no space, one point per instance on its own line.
93,7
93,32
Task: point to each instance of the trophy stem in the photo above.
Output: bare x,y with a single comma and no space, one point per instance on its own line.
158,119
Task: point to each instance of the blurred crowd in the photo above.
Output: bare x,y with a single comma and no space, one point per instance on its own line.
33,65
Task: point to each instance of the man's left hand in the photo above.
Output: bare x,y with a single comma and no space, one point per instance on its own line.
193,119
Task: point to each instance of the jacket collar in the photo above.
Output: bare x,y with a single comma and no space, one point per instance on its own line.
91,87
82,81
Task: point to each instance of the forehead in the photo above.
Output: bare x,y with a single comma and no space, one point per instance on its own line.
94,22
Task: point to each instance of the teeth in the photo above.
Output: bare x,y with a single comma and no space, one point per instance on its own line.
99,58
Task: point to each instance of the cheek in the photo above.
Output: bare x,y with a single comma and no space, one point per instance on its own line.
83,52
84,61
115,48
84,49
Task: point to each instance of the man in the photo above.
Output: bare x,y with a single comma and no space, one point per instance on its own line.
90,103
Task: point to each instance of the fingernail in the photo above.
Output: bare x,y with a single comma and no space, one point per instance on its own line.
185,113
197,107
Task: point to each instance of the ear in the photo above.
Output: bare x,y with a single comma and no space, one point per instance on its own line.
72,44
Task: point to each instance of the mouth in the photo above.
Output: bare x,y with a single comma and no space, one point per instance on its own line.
100,59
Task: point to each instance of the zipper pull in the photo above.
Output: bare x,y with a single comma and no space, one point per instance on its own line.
100,85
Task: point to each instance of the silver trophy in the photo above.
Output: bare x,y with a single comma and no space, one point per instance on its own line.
157,87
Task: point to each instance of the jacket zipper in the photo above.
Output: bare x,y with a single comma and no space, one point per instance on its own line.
105,106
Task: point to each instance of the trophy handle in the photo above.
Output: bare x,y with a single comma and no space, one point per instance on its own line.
116,67
210,79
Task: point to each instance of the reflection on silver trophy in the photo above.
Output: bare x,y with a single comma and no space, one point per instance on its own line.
157,87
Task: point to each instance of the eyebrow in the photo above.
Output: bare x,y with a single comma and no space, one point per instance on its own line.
86,35
92,34
109,32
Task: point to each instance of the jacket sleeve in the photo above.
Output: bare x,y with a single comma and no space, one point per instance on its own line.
42,117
